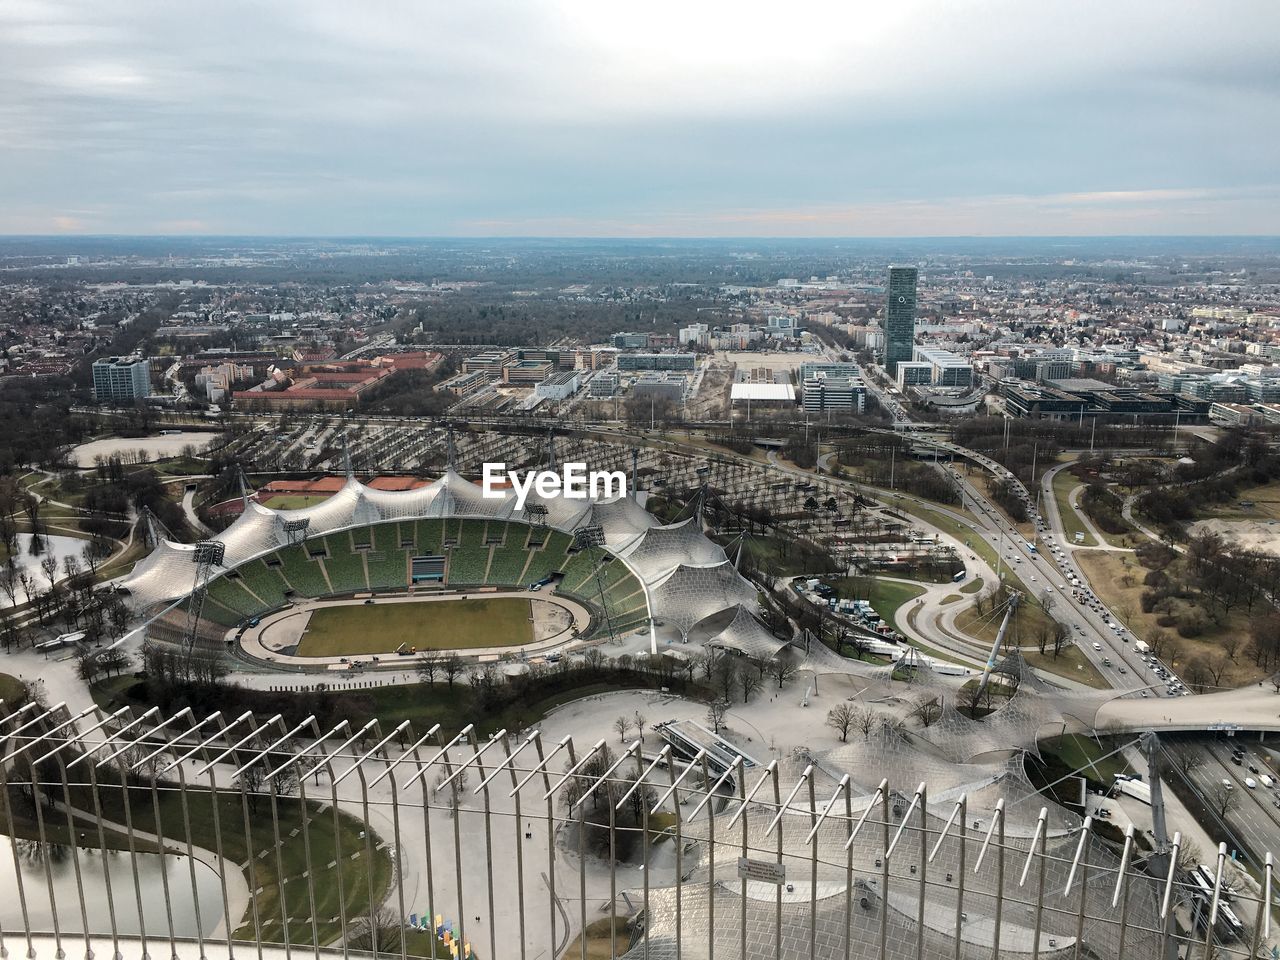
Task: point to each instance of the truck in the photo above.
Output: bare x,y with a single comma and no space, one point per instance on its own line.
1142,647
1133,788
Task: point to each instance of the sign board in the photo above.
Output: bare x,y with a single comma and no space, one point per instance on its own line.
765,871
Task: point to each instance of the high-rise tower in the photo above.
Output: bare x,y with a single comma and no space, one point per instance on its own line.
899,318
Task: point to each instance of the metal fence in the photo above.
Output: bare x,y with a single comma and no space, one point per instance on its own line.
248,836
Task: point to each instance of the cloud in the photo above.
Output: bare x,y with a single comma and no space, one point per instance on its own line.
315,116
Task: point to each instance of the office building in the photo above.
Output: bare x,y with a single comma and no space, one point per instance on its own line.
657,361
121,379
947,370
823,392
899,318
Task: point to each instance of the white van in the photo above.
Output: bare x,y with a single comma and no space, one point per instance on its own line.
1250,782
1266,781
1097,646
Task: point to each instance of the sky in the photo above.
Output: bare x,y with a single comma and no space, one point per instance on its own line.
695,118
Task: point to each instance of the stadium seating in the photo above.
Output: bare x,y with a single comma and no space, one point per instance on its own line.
429,536
345,568
549,558
302,573
388,571
472,534
467,565
228,603
265,583
507,566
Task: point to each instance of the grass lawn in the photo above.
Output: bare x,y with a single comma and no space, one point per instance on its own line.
324,851
1116,579
888,597
973,586
11,689
599,938
438,625
951,598
1265,500
1023,629
1063,483
1070,663
1081,753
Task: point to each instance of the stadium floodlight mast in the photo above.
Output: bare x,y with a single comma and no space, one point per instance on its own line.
588,538
295,531
206,555
538,512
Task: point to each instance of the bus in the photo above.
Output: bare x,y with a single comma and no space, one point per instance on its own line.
958,577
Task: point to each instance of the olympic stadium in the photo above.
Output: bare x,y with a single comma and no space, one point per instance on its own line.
628,573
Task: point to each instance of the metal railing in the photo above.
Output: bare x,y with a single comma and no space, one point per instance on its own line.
199,836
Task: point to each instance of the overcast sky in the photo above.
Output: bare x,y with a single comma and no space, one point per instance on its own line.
689,118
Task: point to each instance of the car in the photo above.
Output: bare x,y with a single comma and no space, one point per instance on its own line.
1227,784
1123,670
1235,758
1253,768
1250,782
1142,694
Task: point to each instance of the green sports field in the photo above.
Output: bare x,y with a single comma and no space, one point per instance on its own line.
428,625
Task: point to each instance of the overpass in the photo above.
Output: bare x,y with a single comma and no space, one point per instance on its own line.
1247,709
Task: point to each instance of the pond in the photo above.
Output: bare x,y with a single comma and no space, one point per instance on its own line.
152,869
156,447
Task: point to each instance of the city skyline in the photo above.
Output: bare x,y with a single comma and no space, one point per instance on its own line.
575,120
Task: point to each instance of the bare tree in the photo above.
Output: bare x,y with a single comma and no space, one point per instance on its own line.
622,725
1223,799
452,666
640,720
865,720
750,681
428,666
927,711
715,713
841,718
1189,761
783,670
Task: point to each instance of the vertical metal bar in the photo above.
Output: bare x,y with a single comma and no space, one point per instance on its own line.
995,947
164,874
962,837
106,869
127,801
1259,917
282,878
8,810
644,834
1122,891
813,870
924,866
191,857
711,860
777,904
884,872
72,837
848,875
488,835
746,852
1084,887
1213,906
305,807
519,823
1041,840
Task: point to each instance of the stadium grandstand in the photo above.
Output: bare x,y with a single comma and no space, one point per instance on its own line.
447,534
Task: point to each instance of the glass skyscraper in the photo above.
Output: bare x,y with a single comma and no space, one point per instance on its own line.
899,318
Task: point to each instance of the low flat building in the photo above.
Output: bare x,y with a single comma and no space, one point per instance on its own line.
762,394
